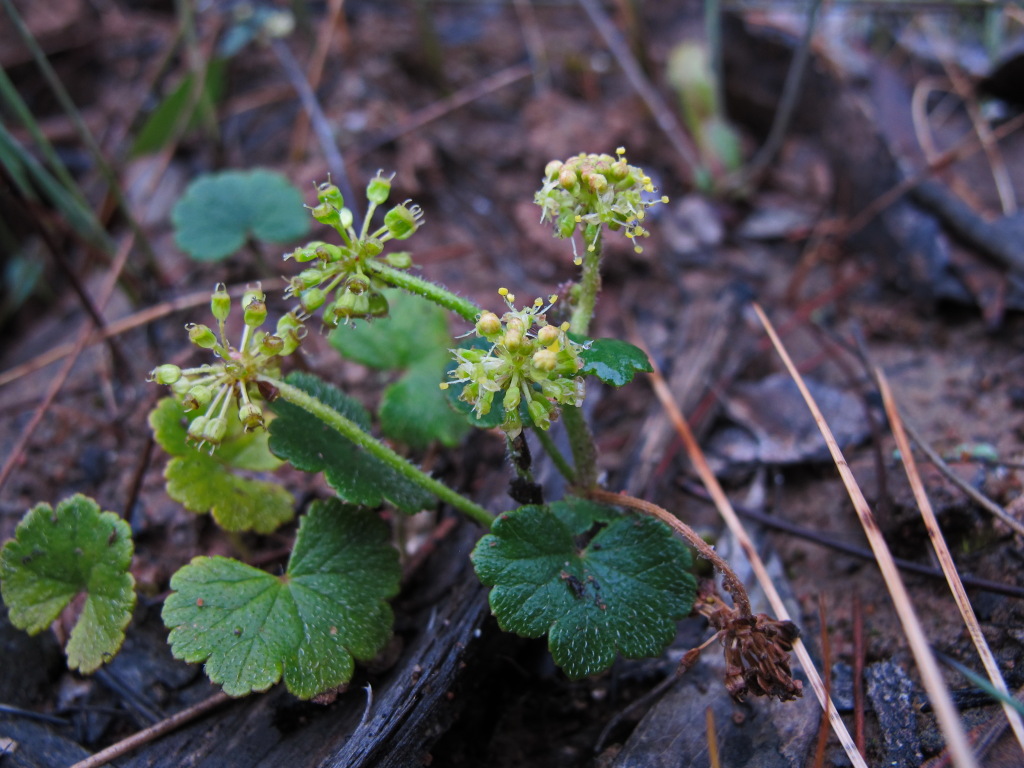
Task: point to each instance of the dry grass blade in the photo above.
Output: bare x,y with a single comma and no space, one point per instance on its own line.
732,520
945,558
931,677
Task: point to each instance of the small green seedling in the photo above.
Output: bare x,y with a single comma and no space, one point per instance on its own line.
600,574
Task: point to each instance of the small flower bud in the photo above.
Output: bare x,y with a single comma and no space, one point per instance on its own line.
312,299
165,374
328,252
255,312
551,169
545,359
370,247
220,302
197,398
379,306
596,182
215,429
488,325
201,335
548,335
511,399
251,415
540,412
357,284
308,278
402,221
567,177
513,340
271,344
379,188
399,260
327,214
330,194
195,429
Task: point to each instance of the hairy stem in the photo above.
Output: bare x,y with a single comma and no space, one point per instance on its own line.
581,440
730,581
560,462
371,445
589,286
584,451
464,308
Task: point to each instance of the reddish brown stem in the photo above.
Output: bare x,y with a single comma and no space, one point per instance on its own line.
730,581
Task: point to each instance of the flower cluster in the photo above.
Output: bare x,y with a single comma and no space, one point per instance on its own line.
591,191
340,281
231,385
539,367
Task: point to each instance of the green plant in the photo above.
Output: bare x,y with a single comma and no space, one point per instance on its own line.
600,574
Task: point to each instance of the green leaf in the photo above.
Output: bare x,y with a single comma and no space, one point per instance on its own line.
310,625
159,128
416,412
312,446
57,555
414,330
414,337
621,593
202,484
613,361
220,211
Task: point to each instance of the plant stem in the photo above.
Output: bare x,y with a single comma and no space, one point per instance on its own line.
354,432
730,580
555,455
464,308
589,286
584,452
581,440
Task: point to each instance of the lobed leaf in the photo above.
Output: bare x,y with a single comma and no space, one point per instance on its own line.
57,555
220,211
620,593
204,482
309,625
613,361
313,446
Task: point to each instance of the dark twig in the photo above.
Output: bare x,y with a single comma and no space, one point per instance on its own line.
770,521
321,126
787,103
663,116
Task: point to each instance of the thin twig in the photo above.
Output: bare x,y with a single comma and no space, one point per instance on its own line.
977,496
945,558
858,672
728,514
822,540
124,325
58,381
730,580
147,735
931,677
315,71
663,116
826,665
321,126
787,103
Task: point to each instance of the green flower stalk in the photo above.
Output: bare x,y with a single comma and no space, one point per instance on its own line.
229,388
529,362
